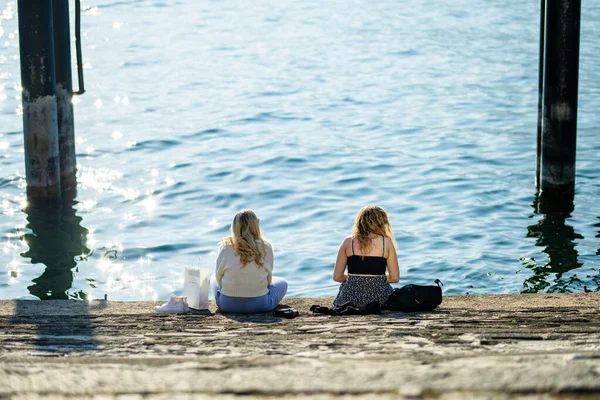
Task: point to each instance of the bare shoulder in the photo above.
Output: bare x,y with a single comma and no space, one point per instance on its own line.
346,245
389,244
347,241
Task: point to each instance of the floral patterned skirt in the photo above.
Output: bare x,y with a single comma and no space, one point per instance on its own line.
362,290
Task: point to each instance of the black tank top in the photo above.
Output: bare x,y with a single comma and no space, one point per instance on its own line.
367,265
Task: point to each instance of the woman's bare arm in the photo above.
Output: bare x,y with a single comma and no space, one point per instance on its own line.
393,274
340,262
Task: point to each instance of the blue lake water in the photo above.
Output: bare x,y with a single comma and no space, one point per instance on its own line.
305,112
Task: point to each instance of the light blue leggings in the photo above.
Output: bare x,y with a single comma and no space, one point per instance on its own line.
267,302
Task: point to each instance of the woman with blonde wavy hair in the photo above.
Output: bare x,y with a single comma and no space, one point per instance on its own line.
243,281
370,256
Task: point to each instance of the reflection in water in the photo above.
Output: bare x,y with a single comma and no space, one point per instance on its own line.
597,225
595,279
558,240
55,238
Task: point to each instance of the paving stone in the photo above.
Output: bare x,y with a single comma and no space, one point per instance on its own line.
530,346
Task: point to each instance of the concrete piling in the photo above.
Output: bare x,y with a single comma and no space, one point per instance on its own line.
64,93
40,122
559,108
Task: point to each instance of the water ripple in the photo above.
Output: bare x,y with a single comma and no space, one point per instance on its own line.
428,109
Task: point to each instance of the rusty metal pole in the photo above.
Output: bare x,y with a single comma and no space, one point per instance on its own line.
538,158
64,94
559,126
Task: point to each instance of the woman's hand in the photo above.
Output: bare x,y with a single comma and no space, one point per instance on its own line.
340,262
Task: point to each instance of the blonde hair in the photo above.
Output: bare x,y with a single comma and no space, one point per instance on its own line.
245,232
371,220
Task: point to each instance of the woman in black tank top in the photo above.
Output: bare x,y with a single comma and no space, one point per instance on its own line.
370,256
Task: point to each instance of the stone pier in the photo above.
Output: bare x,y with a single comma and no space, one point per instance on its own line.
534,346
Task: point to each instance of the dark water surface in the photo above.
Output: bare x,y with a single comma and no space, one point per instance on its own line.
305,112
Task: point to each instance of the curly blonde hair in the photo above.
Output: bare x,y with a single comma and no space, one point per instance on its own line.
245,232
371,220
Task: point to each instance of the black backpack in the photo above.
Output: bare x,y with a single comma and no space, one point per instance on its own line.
415,297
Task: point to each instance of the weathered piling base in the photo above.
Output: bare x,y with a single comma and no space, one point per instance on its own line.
40,125
42,164
472,347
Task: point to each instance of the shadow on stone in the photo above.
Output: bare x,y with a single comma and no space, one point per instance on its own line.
61,326
413,314
255,318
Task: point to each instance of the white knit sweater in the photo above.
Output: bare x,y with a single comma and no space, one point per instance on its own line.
250,280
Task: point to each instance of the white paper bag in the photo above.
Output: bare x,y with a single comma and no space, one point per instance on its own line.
195,287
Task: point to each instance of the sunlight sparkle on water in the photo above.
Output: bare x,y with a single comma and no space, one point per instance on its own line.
100,179
129,194
107,265
91,241
87,205
12,206
117,135
145,261
146,290
9,247
150,204
8,13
